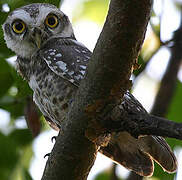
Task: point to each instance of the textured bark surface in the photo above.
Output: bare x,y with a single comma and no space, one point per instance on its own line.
106,81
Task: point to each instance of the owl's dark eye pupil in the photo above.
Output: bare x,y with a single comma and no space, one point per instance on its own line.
51,21
19,26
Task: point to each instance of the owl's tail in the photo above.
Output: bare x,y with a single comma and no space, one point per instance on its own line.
138,154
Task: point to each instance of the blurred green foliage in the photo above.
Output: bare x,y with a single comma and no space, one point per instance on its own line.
105,175
15,95
93,10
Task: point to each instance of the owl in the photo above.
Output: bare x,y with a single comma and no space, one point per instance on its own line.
53,63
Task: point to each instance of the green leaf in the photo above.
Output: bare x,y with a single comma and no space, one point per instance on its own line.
22,137
162,175
8,156
105,175
26,174
102,176
6,78
92,9
16,109
15,104
22,86
175,113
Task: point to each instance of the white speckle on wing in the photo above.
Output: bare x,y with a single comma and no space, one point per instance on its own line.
64,73
78,77
48,57
138,108
72,80
77,60
50,50
58,55
72,63
83,67
77,50
82,72
52,53
71,73
61,65
88,57
127,97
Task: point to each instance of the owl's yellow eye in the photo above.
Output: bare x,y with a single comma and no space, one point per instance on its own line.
18,26
51,21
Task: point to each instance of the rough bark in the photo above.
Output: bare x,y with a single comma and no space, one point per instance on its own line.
106,81
138,122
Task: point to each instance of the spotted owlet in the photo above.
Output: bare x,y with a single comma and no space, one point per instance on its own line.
53,62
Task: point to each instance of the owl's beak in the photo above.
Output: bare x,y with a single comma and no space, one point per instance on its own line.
38,40
37,36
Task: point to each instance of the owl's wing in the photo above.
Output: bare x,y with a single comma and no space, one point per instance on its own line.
138,154
124,150
67,58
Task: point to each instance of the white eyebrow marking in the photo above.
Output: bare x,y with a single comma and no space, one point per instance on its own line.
23,15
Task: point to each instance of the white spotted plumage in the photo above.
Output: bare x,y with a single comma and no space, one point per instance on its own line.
64,55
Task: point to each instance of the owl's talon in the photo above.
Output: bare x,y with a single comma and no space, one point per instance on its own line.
53,139
47,155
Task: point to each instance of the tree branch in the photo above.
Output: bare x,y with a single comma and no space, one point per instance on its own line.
108,72
136,121
169,80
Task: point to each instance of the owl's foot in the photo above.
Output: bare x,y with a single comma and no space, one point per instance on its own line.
53,139
47,155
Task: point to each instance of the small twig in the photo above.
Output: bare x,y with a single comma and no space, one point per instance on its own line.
145,124
132,117
169,80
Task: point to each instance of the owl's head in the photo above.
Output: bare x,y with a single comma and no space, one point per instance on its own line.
28,27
